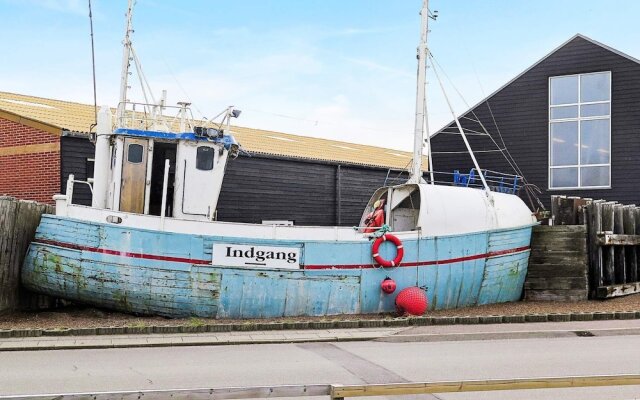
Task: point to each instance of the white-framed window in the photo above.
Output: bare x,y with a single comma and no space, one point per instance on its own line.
580,131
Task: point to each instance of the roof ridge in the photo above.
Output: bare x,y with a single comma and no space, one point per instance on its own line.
319,138
71,116
48,98
577,35
614,50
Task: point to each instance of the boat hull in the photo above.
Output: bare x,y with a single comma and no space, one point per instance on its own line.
175,274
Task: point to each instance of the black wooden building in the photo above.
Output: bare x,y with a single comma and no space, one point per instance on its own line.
277,177
259,187
571,122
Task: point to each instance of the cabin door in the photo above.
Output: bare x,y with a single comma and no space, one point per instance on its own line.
134,175
199,185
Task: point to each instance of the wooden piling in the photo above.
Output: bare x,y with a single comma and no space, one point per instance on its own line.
594,225
558,264
631,257
636,213
619,251
608,253
18,223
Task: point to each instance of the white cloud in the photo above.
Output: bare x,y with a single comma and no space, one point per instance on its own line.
69,6
372,65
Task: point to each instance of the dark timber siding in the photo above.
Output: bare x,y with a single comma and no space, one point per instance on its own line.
306,192
74,152
268,188
521,112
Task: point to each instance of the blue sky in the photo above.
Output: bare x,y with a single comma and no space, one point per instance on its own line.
337,69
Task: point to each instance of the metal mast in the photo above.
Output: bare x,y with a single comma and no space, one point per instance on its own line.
126,57
418,137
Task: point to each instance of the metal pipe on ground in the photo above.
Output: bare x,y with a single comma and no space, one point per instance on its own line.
337,392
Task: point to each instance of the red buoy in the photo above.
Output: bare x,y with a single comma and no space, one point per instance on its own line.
388,285
411,300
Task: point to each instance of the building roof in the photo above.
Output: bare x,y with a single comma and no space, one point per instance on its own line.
574,37
78,117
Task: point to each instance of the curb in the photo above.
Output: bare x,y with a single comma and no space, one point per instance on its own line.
182,344
336,324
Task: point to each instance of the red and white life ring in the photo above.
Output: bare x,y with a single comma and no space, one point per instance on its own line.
399,250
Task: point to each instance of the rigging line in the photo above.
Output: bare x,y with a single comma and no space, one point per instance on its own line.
468,131
142,78
464,152
184,92
464,138
93,65
507,154
508,158
316,122
400,172
503,143
475,73
471,119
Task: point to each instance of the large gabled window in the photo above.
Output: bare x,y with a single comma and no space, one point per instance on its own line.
580,131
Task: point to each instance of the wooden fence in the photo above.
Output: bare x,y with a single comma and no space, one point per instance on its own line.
613,231
18,223
558,265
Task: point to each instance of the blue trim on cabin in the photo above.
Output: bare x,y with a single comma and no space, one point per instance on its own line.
226,140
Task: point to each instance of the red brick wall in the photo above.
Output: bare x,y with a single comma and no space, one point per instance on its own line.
29,160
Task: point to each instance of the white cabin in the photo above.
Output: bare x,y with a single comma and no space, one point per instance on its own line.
150,170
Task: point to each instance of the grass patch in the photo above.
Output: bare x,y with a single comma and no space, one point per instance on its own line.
193,321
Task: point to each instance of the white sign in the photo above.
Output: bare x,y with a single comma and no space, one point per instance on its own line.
252,256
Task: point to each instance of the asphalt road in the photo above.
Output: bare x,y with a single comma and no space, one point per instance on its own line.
65,371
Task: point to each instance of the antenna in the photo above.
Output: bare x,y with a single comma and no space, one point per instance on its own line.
93,65
124,76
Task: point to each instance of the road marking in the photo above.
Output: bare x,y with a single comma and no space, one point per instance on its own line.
367,371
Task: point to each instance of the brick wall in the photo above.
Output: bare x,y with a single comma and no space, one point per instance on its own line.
29,159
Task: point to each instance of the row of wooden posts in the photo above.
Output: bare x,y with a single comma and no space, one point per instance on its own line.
18,223
613,231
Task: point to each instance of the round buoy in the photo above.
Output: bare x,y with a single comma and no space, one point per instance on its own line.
411,300
388,285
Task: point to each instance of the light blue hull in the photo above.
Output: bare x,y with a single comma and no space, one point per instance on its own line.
170,274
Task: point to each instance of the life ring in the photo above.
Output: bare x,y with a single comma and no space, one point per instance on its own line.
399,251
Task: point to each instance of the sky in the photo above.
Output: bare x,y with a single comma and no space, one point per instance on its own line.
336,69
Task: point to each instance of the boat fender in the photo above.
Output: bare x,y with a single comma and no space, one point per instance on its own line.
399,250
388,285
412,301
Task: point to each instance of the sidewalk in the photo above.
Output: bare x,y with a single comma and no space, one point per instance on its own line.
516,331
193,339
433,333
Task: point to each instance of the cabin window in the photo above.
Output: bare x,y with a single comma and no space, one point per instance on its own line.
580,131
204,158
89,169
135,153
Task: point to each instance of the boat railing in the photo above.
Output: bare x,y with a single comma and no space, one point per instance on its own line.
144,116
497,181
64,200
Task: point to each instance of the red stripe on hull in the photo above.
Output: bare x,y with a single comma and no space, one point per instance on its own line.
122,253
205,262
422,263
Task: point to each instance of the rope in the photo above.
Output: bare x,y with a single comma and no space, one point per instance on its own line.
381,231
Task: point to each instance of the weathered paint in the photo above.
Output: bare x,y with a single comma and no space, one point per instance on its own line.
172,274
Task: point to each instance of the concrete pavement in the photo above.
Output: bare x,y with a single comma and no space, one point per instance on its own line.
434,333
192,339
356,362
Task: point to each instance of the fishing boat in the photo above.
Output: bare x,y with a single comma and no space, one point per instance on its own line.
150,242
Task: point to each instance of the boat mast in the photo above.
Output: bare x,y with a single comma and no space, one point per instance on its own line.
126,58
418,136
